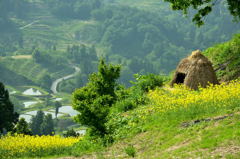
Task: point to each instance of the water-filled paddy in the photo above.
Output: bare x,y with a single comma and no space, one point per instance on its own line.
32,92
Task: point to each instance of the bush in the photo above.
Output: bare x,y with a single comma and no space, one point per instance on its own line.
86,145
71,133
130,151
148,82
125,105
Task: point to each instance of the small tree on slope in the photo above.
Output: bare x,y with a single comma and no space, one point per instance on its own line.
94,100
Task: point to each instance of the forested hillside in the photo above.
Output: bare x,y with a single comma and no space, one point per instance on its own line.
143,36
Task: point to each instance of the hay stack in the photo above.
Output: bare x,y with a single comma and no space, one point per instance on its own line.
194,71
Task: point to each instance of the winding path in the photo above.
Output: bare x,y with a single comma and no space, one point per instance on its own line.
57,81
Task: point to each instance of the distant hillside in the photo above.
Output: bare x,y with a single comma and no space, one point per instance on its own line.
145,36
41,74
9,77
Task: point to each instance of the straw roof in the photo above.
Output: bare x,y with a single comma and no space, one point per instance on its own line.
194,71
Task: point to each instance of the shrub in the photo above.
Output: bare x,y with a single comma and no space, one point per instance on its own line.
70,133
130,151
148,82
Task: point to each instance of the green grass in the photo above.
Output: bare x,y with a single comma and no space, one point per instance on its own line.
167,139
164,134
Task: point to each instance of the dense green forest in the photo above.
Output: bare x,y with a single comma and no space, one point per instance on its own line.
145,37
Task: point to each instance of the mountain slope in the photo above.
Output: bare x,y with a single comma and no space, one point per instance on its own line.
12,78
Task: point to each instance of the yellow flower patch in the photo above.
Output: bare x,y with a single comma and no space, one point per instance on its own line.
21,144
171,99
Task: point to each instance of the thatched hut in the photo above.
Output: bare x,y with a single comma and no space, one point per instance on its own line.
194,71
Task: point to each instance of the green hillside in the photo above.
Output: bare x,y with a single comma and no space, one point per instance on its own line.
12,78
151,38
226,58
178,122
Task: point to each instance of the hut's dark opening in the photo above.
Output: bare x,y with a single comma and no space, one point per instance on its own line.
180,78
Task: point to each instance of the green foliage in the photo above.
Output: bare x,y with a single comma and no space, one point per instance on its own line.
49,59
74,9
148,82
36,56
62,123
130,151
47,126
87,145
133,43
70,133
134,96
8,115
42,124
28,72
204,8
94,100
12,78
125,105
11,36
225,58
83,55
22,127
36,122
145,42
57,106
45,80
130,99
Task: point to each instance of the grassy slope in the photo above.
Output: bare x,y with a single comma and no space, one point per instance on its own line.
178,133
167,136
226,56
205,140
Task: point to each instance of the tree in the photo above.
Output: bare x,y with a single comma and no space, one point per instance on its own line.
37,56
57,106
22,128
94,100
204,7
47,126
42,124
36,123
8,117
45,80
